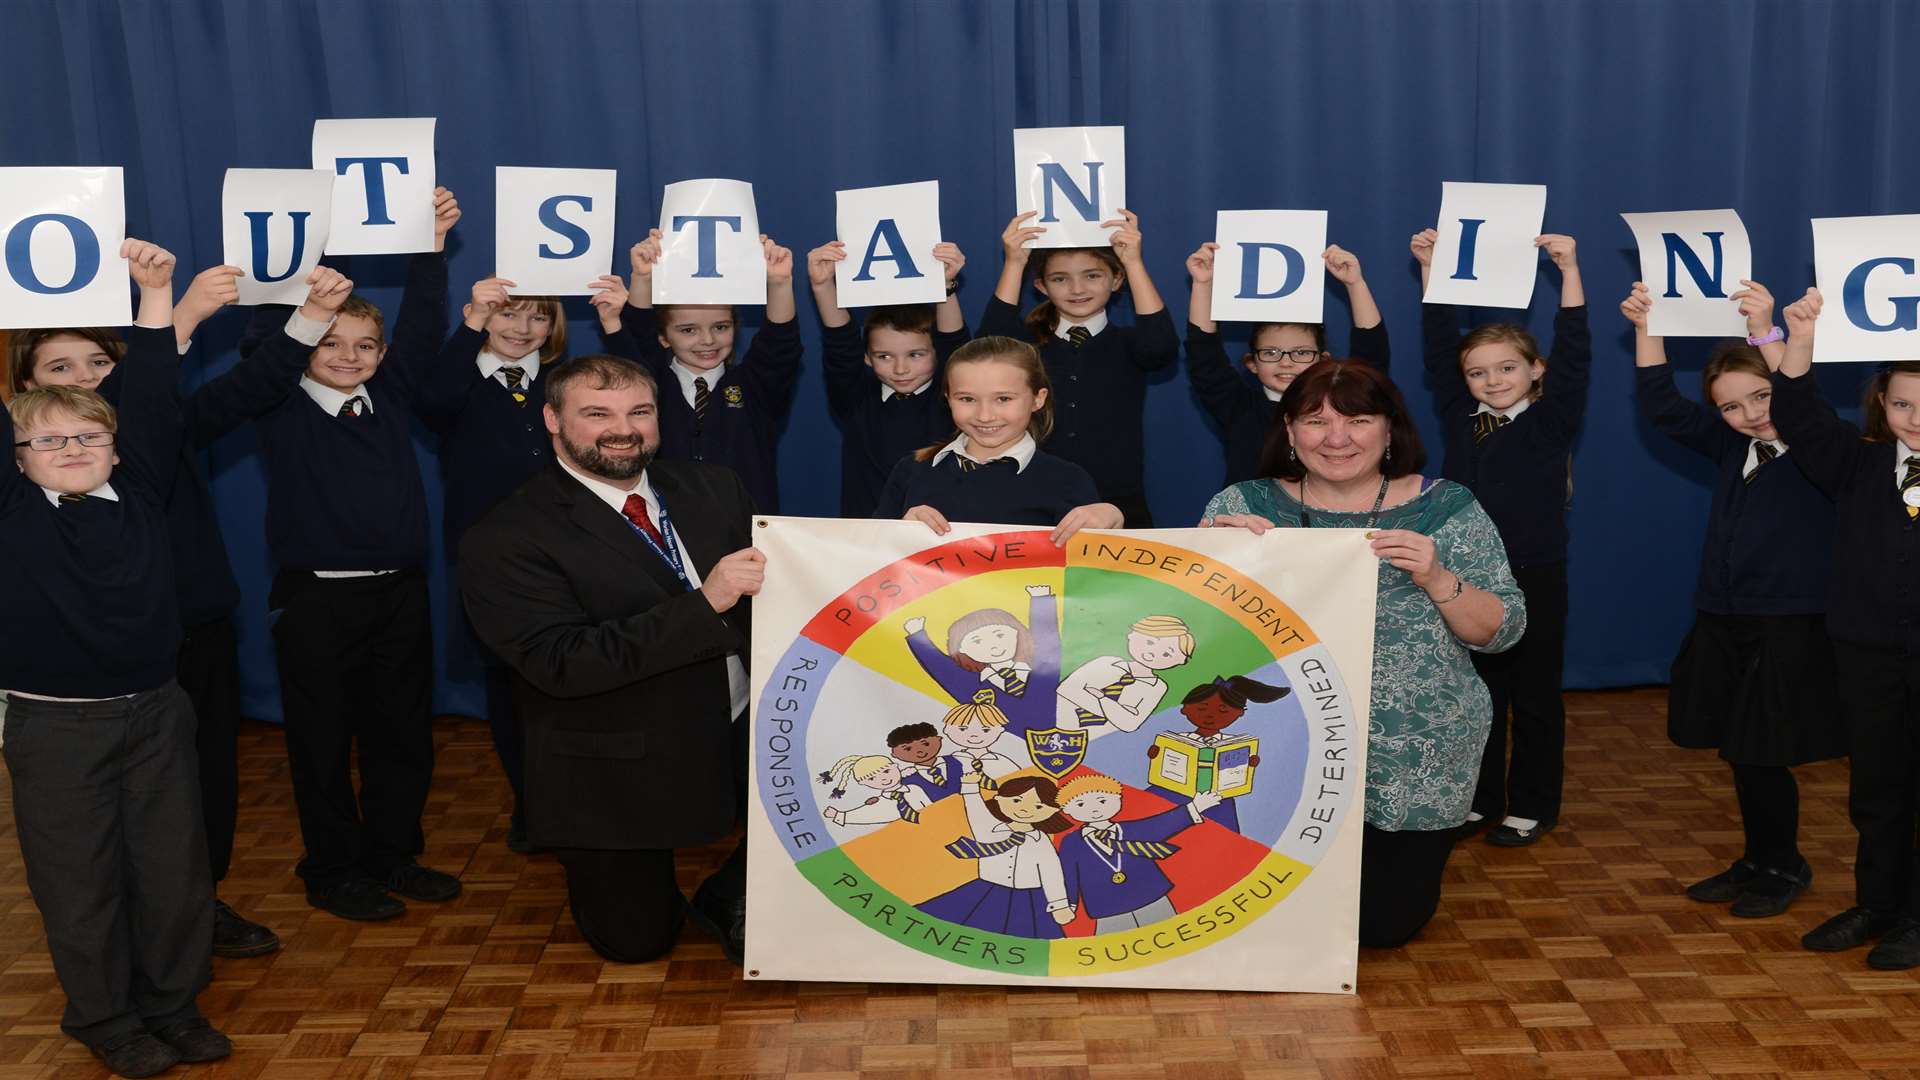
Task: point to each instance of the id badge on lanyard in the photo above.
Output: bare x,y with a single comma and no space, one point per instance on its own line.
671,554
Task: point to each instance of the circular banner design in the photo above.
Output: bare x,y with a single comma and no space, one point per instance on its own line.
1044,761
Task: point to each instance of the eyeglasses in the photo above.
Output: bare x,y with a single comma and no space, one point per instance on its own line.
47,444
1288,356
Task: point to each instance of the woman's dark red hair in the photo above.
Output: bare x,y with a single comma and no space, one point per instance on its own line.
1353,388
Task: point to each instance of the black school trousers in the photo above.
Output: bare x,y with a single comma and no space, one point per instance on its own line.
209,672
1880,693
356,673
107,809
1526,680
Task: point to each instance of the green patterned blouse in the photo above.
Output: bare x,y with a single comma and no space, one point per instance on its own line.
1431,712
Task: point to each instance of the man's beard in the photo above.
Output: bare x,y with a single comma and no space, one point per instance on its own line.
592,460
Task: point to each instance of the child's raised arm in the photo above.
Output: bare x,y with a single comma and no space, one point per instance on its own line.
1127,246
211,289
1200,298
1756,303
1691,424
1560,248
1797,358
780,304
264,377
947,316
1648,351
821,262
1440,335
1014,256
1345,268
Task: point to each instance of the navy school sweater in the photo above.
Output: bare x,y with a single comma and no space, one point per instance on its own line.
342,494
876,434
91,608
1769,542
1520,472
996,494
490,444
1100,398
744,417
1874,595
1238,402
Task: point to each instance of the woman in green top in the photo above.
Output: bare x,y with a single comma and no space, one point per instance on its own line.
1344,454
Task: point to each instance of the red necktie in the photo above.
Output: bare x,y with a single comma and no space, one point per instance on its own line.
636,511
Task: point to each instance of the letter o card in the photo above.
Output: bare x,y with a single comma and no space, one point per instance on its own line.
383,202
890,233
553,229
63,229
1868,270
1268,267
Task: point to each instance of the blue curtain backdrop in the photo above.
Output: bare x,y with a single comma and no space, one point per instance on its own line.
1783,110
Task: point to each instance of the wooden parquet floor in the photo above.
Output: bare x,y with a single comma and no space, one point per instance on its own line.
1579,957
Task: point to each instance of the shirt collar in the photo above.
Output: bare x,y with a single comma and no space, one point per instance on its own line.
1093,325
1024,669
330,399
686,375
1272,394
491,364
1021,452
1901,453
612,495
887,393
1510,412
104,491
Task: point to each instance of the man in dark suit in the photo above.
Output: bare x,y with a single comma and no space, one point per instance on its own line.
615,587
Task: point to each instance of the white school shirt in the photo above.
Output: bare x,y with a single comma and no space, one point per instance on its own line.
1081,690
887,808
492,364
1032,864
616,498
1094,325
686,375
1021,452
1900,463
992,763
1511,412
1753,453
887,392
104,491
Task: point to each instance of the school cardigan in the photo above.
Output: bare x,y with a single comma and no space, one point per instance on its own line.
876,432
748,408
90,609
490,444
1874,596
1519,473
1240,404
998,493
1100,395
1769,543
1089,873
342,493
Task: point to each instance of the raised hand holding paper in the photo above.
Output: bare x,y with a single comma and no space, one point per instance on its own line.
1865,267
1485,255
890,233
1691,261
273,226
383,202
1076,177
1268,268
63,228
553,229
709,245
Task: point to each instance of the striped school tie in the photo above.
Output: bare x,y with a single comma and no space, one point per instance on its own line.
967,464
1078,336
937,774
907,813
1144,849
1911,483
1111,692
700,398
515,380
1486,423
1763,452
352,407
968,848
69,498
1010,678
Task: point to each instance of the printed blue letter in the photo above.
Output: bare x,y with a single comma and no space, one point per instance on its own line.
86,254
1677,251
550,217
1054,175
373,168
1469,236
1250,254
705,239
1853,296
257,222
896,253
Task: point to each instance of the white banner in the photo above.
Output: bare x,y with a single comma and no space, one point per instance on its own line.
1485,255
1868,272
1076,177
63,228
1268,267
890,233
709,245
990,653
553,229
273,226
1691,262
383,198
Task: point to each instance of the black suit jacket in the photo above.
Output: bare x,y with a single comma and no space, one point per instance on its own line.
619,674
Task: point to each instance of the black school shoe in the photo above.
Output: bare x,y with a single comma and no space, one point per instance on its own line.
416,882
1850,929
359,899
1504,835
1899,949
1725,886
195,1040
725,917
136,1054
1772,892
235,938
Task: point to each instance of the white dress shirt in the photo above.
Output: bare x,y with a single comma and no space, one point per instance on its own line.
1753,453
1081,690
491,364
686,375
1031,864
1021,452
1094,325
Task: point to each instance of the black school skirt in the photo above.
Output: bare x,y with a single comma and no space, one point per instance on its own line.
1761,689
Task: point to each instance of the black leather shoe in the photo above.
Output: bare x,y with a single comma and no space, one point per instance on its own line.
136,1054
416,882
195,1040
359,899
1725,886
1507,836
235,938
725,917
1772,892
1850,929
1898,950
517,838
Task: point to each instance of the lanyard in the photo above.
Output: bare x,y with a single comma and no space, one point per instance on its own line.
671,555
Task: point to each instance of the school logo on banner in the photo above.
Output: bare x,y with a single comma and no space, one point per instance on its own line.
985,758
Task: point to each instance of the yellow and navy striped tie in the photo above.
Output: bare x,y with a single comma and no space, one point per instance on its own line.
1111,692
1010,678
967,847
907,813
1763,452
1910,483
515,377
1144,849
1486,423
1078,336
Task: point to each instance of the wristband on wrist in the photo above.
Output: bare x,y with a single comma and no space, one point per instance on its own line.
1768,338
953,286
1459,587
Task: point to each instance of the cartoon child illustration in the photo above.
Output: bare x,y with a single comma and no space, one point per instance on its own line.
892,800
1113,867
1113,693
977,731
917,748
1212,708
1020,889
990,648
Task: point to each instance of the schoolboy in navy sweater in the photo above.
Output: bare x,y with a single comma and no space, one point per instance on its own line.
883,380
1099,371
347,532
1508,420
1873,615
726,413
99,736
1276,354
